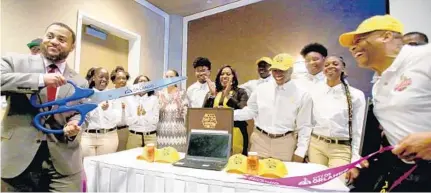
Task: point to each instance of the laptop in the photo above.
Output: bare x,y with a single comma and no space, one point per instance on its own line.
208,150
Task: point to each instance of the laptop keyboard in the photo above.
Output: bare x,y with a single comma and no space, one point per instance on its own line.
204,164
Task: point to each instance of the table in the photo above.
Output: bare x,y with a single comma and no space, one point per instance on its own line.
122,172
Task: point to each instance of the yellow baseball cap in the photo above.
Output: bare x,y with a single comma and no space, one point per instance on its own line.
378,22
264,59
272,168
237,164
282,61
166,155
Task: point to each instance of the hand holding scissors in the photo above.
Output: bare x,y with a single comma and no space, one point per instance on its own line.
90,100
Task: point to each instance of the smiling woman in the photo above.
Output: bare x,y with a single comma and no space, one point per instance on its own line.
100,136
98,78
228,95
338,110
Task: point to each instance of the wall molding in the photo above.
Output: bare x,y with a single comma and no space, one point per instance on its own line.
166,35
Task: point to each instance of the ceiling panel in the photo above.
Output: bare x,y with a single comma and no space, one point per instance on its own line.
188,7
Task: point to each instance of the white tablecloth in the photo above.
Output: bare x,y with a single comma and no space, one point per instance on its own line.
122,172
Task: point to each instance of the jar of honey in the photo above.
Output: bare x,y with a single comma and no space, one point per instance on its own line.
252,163
150,152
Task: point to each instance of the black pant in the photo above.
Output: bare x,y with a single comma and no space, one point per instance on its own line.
245,140
41,176
385,168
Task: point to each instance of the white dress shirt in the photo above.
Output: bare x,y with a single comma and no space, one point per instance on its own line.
308,81
102,119
147,122
196,94
121,113
319,77
251,85
331,114
375,78
402,95
279,109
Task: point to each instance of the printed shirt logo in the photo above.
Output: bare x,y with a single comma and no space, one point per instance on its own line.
403,84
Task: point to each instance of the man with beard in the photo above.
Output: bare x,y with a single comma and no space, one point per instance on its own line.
32,160
263,65
401,105
279,107
197,91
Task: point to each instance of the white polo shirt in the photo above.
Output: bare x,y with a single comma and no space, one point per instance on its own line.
402,95
196,94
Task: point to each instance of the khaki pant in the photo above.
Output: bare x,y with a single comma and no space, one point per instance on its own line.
136,140
99,143
123,135
329,154
281,148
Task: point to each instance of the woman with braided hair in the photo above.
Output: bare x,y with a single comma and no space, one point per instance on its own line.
338,111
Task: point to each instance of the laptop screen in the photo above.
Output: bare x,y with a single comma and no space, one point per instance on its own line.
214,145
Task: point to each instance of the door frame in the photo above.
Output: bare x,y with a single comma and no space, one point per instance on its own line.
133,38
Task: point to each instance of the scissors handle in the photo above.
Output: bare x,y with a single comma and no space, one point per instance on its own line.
83,109
80,93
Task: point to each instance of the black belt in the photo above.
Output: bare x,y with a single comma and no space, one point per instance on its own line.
122,127
273,135
99,130
142,133
333,141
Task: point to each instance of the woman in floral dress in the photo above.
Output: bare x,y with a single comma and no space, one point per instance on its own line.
171,130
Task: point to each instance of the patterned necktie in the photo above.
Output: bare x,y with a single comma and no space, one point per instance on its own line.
51,90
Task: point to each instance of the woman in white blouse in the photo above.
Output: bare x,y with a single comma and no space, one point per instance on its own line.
100,136
119,76
144,110
338,111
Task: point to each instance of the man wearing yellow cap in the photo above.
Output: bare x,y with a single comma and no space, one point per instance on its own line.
263,65
401,99
279,107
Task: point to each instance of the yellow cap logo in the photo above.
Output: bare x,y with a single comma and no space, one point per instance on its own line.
282,62
237,164
167,155
272,168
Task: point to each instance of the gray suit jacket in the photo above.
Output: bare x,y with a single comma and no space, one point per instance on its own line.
20,140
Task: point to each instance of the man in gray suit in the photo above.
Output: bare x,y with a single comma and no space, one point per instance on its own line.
32,160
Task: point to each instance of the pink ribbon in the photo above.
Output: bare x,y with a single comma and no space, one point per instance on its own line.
325,175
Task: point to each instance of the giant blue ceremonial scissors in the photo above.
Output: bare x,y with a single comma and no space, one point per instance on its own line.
90,100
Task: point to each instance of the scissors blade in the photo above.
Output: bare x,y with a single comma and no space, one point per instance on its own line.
99,97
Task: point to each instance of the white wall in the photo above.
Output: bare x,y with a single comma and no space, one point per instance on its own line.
175,42
414,14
